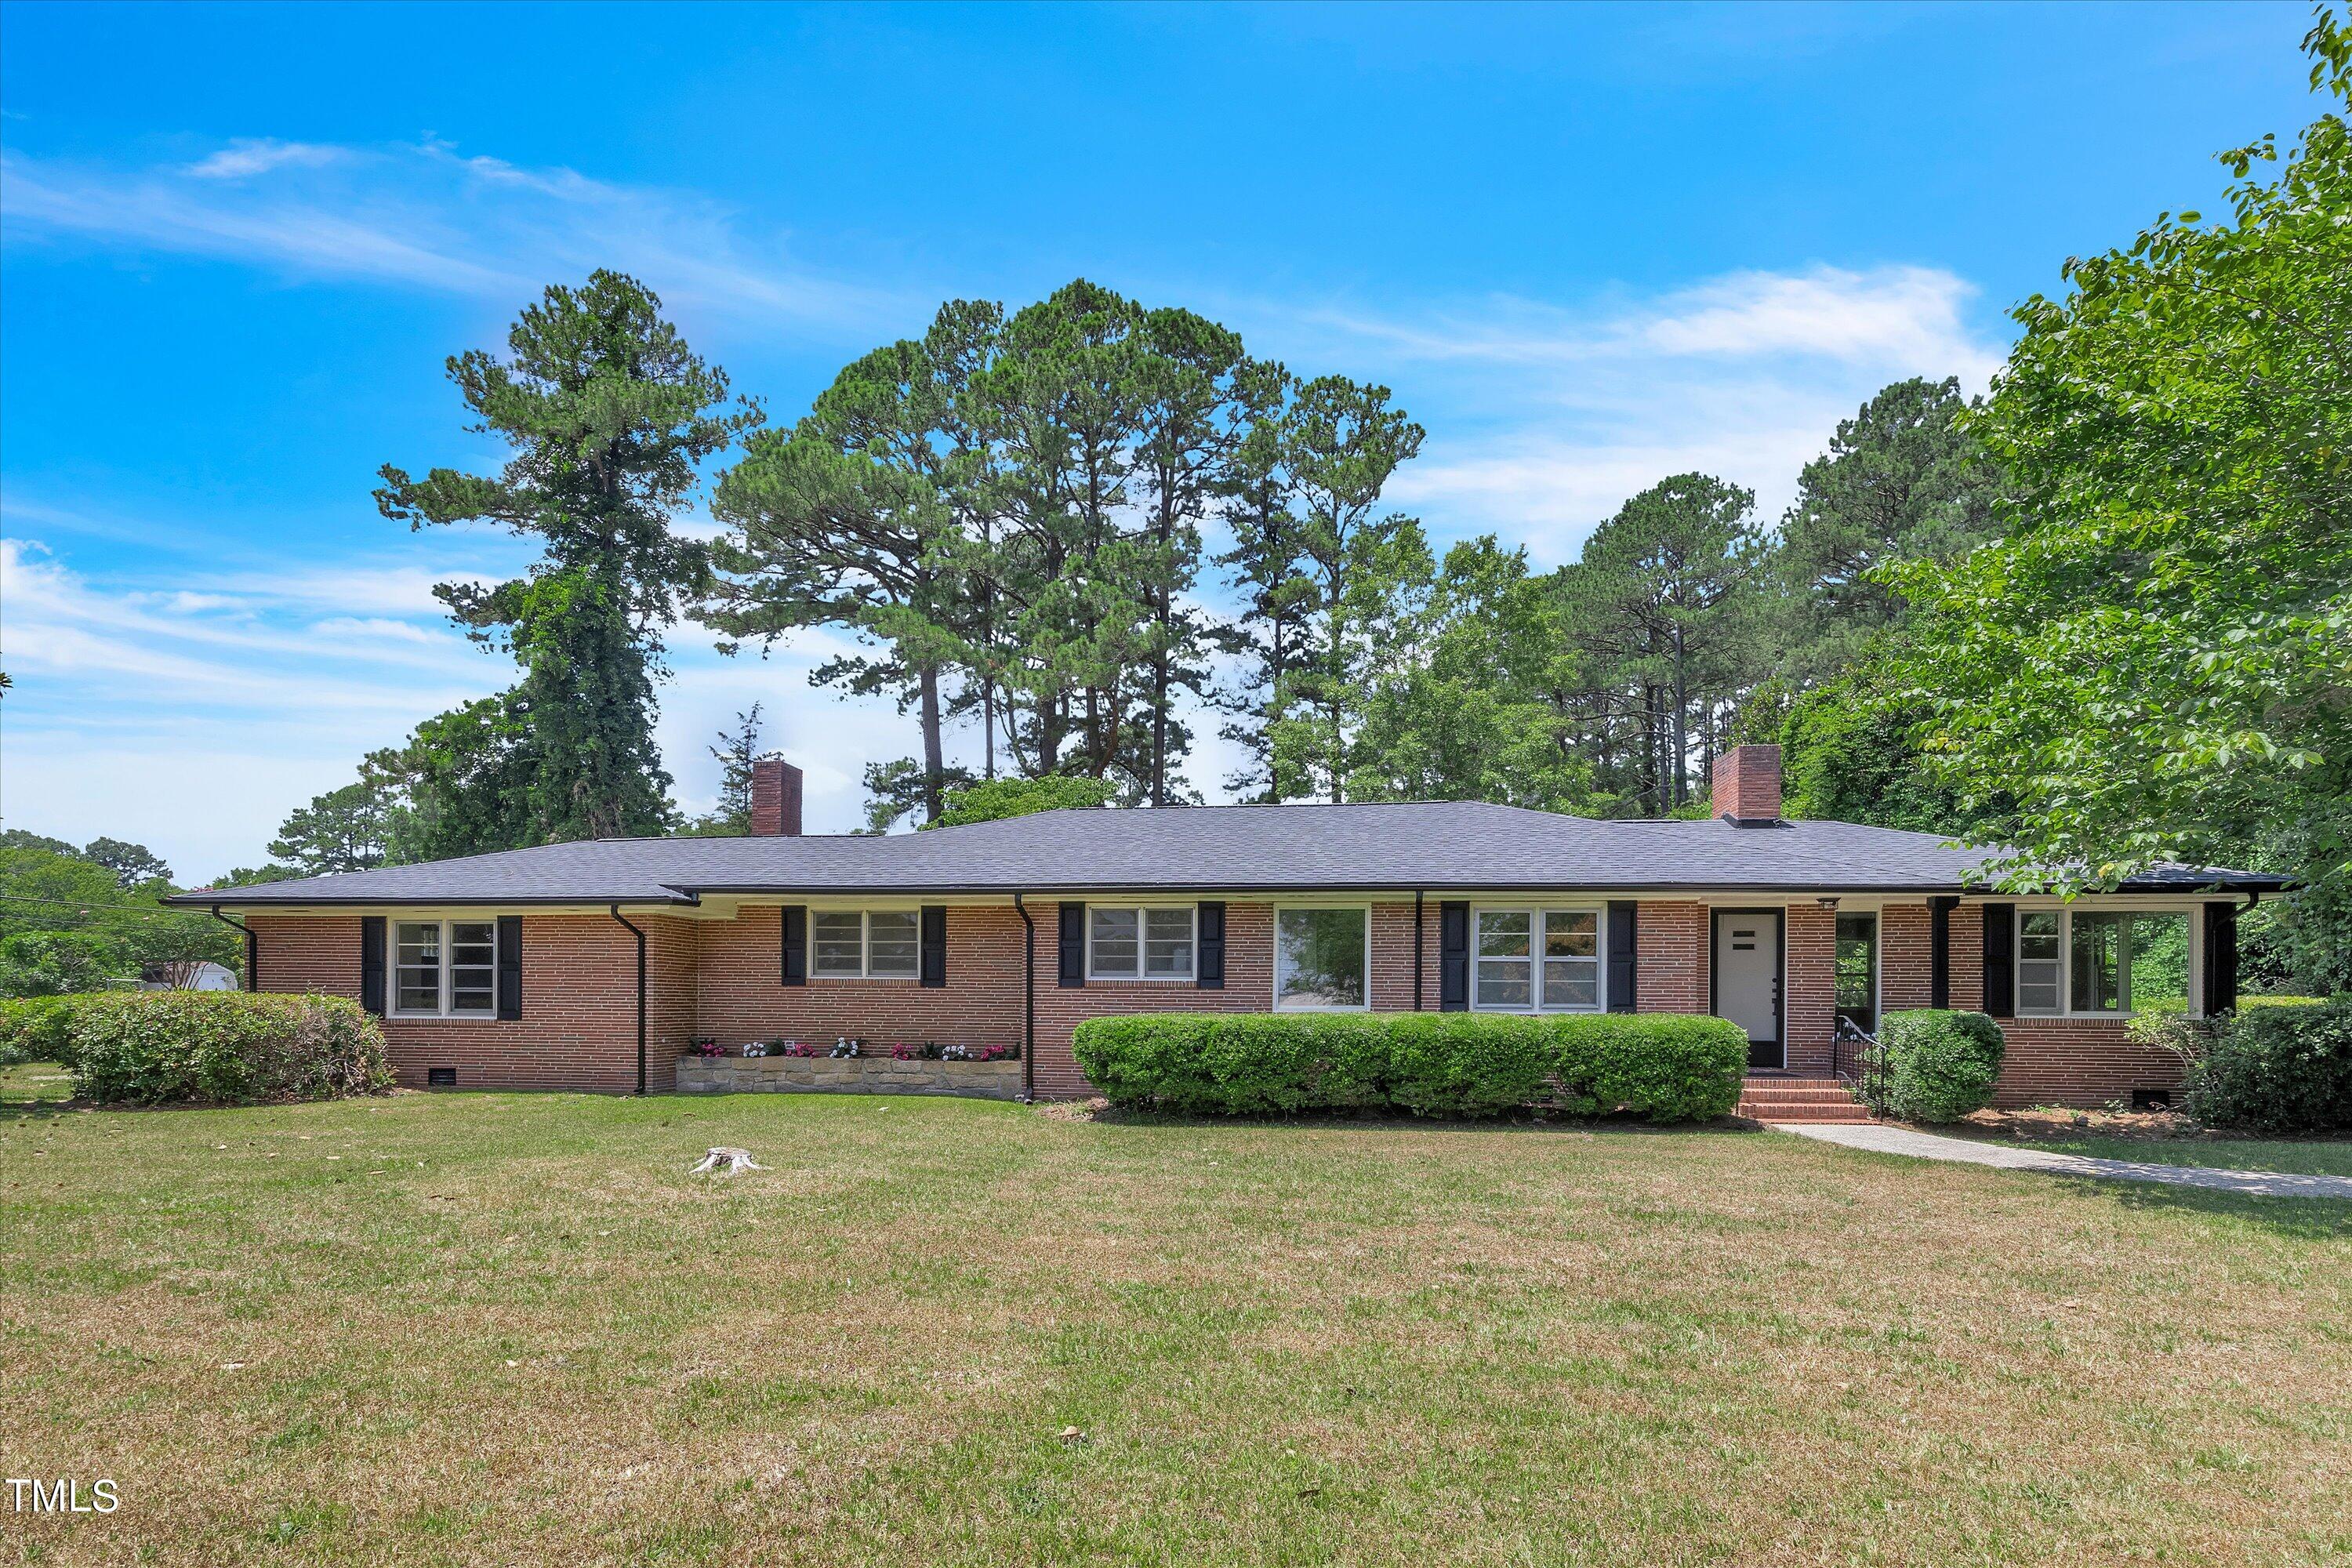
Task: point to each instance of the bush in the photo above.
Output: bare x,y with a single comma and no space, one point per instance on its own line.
1667,1067
151,1047
36,1029
1933,1066
2285,1070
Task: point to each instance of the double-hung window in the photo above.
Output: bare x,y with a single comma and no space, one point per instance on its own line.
444,968
1136,944
865,944
1538,961
2102,962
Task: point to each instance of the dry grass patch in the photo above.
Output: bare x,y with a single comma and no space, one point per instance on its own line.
497,1329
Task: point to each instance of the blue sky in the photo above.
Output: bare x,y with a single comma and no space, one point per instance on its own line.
1588,246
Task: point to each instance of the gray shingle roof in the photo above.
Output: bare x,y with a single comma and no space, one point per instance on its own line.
1434,845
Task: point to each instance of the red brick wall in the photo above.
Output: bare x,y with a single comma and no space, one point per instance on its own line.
741,997
1670,958
720,978
1747,784
1248,988
1902,957
1809,997
579,1027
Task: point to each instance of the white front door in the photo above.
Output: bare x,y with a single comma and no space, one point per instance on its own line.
1748,979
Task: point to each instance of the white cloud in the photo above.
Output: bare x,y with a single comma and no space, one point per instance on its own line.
192,707
175,651
1553,414
425,216
247,155
1908,315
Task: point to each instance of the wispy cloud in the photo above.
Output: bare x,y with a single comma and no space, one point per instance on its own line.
213,647
428,216
195,717
1555,412
259,154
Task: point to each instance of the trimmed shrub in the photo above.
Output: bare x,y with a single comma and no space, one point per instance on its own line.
154,1047
36,1029
1935,1066
1467,1063
2285,1070
1665,1067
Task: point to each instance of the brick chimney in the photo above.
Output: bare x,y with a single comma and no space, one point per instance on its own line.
775,797
1748,786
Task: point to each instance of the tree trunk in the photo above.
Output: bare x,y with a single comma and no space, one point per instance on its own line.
988,726
1049,733
1682,737
1338,667
934,764
1160,732
1654,748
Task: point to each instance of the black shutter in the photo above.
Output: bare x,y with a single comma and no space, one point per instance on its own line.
510,966
1939,949
371,964
2221,958
1453,956
935,946
1074,945
1209,948
796,934
2000,960
1625,955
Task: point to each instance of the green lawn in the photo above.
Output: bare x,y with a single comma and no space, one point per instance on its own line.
504,1329
2306,1157
29,1081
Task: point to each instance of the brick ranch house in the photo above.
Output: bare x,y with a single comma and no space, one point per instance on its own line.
593,965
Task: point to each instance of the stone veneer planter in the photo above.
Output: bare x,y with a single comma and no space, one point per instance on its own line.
847,1075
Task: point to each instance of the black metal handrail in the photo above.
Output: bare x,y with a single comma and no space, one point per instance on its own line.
1857,1061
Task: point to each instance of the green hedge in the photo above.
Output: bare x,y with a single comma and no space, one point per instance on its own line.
154,1047
2278,1070
1664,1067
1933,1066
38,1029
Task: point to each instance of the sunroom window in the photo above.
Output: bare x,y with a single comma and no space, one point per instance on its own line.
1539,960
444,968
2102,962
1139,943
868,944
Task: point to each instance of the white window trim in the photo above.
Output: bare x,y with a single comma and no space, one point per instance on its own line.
2067,913
392,968
1193,917
866,946
1365,910
1599,913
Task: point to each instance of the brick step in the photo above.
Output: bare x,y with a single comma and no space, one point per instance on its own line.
1813,1099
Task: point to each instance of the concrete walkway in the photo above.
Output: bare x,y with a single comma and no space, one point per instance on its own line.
1930,1146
